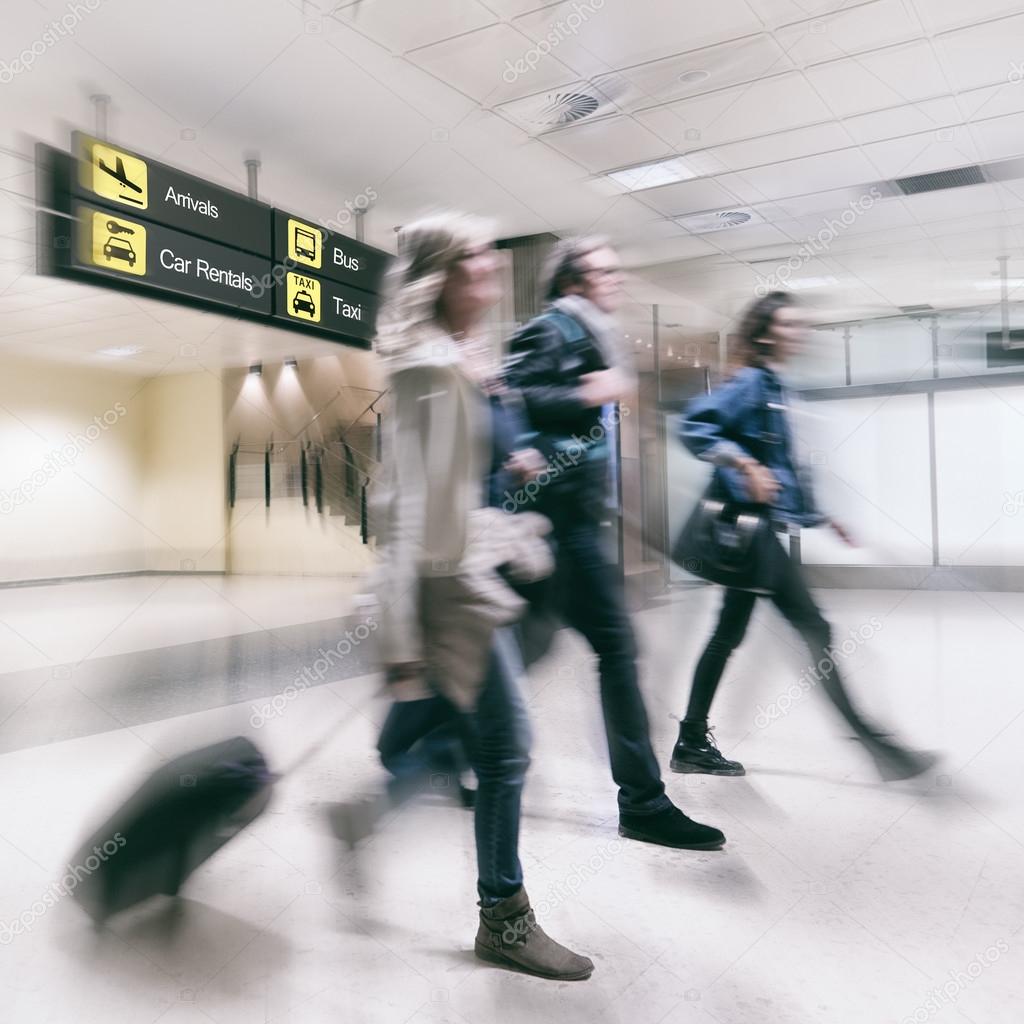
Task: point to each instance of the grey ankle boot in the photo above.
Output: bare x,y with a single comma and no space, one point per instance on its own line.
510,936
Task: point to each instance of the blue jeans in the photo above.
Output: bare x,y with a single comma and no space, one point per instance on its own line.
500,758
595,606
423,742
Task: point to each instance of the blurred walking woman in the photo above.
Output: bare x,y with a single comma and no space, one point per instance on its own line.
444,445
744,428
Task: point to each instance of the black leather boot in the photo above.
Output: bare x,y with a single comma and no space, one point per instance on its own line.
510,937
695,752
670,827
894,761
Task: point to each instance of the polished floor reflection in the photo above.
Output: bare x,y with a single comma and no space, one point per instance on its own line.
915,884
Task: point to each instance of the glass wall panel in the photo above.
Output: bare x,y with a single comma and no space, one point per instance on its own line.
890,350
979,436
871,464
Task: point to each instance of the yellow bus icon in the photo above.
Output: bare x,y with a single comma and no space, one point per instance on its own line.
118,244
117,176
305,243
303,298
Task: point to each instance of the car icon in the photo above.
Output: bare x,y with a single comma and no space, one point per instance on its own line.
304,301
119,249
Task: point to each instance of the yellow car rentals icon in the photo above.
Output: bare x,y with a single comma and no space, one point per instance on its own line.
303,298
118,244
116,176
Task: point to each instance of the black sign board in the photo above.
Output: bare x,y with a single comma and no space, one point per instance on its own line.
105,241
140,187
306,247
327,305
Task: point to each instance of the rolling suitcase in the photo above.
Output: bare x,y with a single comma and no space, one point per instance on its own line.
179,817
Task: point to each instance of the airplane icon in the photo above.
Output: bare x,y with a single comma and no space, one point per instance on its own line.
120,175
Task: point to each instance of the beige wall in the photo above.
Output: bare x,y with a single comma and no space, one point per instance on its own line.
184,477
71,456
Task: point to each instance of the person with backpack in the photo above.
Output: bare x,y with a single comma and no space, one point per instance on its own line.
570,369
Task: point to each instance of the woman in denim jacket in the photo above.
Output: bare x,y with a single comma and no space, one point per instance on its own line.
744,429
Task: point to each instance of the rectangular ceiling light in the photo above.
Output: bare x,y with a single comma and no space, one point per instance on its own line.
661,172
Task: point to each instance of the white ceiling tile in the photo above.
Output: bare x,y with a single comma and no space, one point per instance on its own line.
846,32
810,174
737,239
774,104
662,250
971,200
485,65
1000,138
992,101
513,8
613,35
917,154
887,78
911,118
782,146
783,12
983,54
939,15
687,197
402,26
612,142
746,60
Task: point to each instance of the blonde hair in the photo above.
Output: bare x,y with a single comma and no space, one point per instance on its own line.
428,248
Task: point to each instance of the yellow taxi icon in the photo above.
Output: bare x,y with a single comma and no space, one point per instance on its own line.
303,298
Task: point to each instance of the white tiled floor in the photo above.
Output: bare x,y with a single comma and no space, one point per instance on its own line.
836,899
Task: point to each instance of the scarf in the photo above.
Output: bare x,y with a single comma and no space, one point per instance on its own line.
602,327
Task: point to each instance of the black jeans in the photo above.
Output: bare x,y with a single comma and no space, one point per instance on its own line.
595,605
794,600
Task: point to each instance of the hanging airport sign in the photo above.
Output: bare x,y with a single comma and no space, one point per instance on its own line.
302,246
145,188
116,245
318,302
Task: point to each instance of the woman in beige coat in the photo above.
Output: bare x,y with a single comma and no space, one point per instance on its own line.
441,450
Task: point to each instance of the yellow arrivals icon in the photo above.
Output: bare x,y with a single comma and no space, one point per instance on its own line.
304,298
118,176
118,244
305,243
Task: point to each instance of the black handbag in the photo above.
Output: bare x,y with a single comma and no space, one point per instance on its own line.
730,544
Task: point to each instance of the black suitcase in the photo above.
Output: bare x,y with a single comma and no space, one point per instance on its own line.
180,816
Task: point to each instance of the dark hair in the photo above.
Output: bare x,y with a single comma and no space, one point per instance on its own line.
755,342
564,268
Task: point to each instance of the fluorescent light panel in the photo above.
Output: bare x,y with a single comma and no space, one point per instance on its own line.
661,172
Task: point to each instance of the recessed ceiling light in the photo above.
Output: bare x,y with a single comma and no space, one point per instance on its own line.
661,172
256,370
120,351
694,77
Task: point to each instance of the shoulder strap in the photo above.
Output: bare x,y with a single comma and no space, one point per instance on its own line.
570,328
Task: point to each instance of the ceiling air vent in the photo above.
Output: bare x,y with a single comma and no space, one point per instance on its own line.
565,108
925,308
937,180
718,220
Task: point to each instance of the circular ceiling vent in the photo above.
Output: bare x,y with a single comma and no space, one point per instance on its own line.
567,108
732,218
